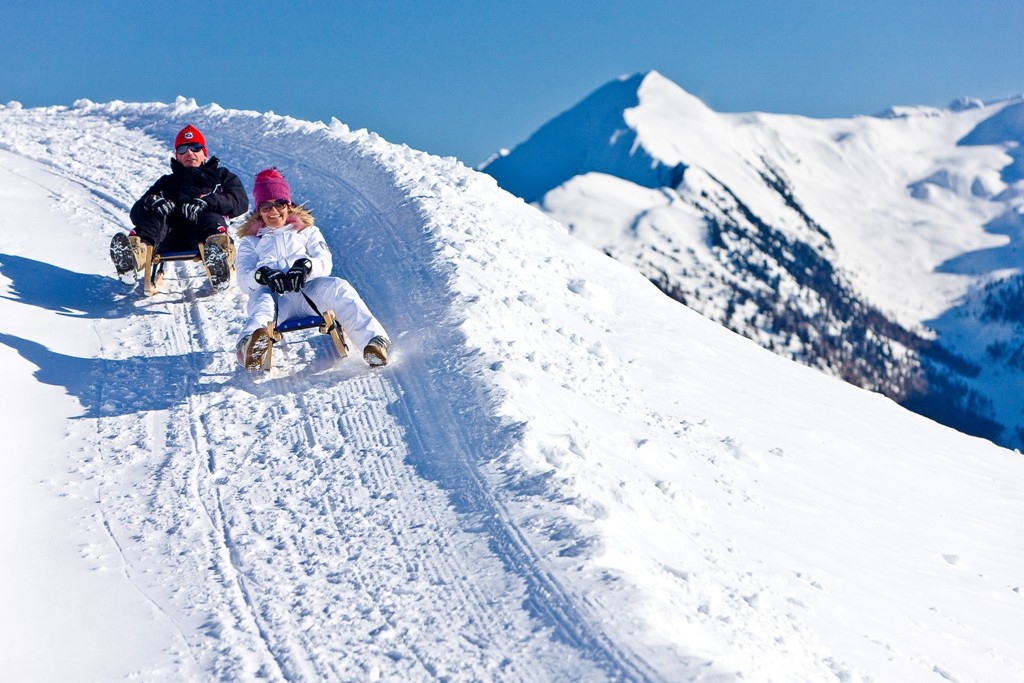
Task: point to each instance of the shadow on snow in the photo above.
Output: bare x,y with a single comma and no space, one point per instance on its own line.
80,295
107,388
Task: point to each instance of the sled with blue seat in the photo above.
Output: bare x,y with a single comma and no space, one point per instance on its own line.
153,271
325,323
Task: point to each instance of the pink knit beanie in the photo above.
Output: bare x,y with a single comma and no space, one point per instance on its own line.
270,185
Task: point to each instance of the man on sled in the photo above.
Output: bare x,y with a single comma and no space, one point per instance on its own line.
184,211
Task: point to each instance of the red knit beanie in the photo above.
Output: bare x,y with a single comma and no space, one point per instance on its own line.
189,134
270,185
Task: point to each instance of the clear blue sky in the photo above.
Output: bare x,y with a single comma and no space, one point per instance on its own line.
465,78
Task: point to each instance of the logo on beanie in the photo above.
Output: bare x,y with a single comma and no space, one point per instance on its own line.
188,135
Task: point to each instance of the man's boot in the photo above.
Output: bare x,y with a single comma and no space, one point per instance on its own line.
129,255
219,257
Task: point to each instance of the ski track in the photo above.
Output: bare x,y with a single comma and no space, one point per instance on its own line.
332,523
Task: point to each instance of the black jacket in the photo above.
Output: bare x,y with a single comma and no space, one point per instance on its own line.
218,187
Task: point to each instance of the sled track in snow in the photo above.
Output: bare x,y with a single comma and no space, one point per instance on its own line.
299,538
308,545
451,457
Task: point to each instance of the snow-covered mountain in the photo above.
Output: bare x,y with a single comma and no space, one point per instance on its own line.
883,250
565,475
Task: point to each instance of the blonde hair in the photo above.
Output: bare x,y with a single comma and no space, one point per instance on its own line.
253,222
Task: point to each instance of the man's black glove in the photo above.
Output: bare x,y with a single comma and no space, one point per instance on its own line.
298,273
192,208
158,204
274,279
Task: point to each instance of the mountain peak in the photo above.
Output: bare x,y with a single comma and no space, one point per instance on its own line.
655,88
600,134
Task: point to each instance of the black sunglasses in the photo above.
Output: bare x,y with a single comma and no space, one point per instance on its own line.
275,204
190,147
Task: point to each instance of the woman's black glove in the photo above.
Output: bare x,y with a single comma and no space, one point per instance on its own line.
274,279
298,273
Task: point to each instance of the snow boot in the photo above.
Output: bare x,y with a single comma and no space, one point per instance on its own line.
218,257
253,351
376,352
142,251
128,254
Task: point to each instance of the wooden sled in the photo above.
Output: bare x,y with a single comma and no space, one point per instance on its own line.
326,323
153,272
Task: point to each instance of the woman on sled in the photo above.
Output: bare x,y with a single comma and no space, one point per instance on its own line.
284,265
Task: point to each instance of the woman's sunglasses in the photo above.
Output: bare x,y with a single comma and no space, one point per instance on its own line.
276,204
191,147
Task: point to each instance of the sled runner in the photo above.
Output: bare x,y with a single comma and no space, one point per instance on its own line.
153,271
218,271
326,323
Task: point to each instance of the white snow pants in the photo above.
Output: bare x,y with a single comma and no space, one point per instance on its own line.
329,293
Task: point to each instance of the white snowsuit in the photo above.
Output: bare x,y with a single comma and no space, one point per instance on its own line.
280,248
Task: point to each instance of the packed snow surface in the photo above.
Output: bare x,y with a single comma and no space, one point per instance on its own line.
563,475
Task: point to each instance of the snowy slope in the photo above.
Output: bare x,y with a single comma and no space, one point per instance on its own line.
773,225
563,476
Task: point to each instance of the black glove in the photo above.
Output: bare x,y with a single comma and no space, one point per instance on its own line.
298,273
274,279
192,208
158,204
